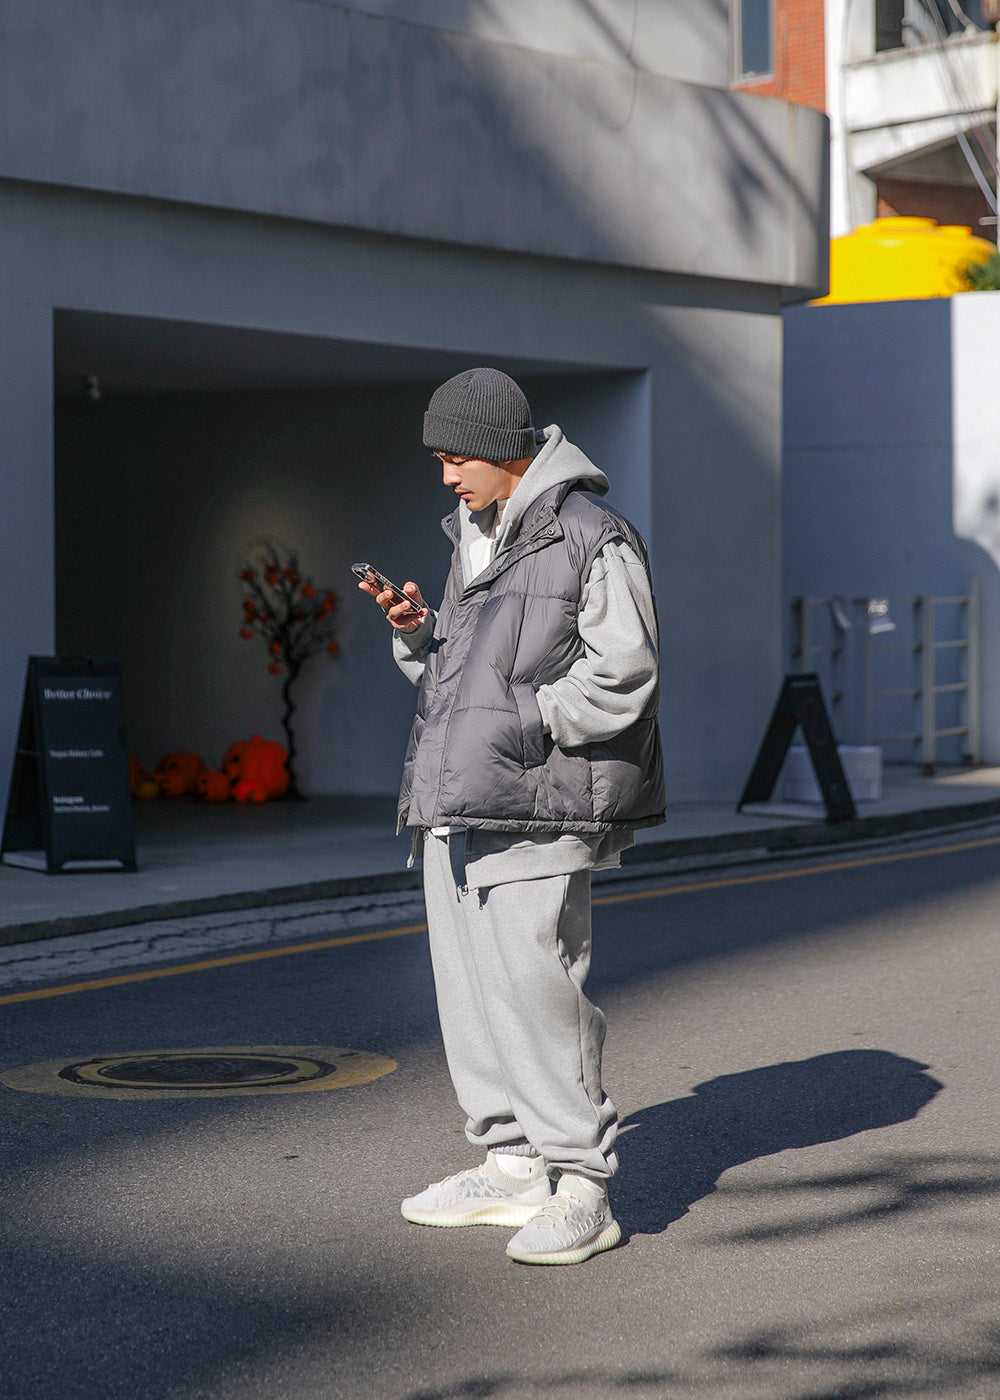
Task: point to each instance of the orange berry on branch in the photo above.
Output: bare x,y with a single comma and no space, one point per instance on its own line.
307,590
275,648
275,668
333,648
246,632
248,575
271,576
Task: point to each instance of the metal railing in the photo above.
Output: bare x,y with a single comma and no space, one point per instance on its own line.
895,673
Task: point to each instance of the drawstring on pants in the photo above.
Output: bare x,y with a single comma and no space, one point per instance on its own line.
457,856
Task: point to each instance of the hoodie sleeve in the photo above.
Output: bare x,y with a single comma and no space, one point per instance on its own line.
609,686
409,649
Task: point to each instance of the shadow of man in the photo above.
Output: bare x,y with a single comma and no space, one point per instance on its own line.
673,1153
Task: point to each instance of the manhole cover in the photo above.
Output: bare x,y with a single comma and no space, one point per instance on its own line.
209,1072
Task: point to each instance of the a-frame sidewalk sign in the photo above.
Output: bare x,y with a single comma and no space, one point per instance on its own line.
800,703
69,807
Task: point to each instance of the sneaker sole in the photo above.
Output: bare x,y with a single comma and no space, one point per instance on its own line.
607,1239
493,1213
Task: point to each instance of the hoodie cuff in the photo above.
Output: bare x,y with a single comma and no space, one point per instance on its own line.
419,638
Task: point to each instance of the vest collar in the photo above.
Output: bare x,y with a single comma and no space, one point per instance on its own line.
538,528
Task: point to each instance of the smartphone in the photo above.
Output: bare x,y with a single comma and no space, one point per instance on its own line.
368,574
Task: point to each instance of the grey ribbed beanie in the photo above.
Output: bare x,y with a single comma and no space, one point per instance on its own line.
480,413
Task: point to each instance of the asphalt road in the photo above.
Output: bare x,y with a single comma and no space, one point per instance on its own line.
805,1057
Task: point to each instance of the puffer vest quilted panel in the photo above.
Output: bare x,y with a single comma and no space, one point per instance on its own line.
477,755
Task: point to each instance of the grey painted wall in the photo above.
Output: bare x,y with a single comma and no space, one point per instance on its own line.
341,116
890,464
27,546
867,449
671,37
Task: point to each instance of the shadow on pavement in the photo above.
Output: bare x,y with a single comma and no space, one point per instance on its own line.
581,1385
672,1154
787,1362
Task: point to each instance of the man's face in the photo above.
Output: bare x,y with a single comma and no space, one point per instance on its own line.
478,482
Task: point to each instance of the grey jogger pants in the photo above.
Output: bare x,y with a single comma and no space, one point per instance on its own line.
522,1040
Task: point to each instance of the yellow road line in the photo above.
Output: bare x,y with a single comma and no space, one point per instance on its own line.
695,887
147,976
769,875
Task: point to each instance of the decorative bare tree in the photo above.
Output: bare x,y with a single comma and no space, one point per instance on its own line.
292,617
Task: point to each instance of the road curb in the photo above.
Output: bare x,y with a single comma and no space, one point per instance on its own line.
816,834
811,836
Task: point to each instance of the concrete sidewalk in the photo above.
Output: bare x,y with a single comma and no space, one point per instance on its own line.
196,859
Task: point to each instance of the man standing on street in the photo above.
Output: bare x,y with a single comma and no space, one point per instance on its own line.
534,756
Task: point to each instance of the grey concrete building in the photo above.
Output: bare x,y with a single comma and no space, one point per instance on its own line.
892,491
262,230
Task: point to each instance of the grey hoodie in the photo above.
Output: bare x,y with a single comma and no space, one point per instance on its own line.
603,692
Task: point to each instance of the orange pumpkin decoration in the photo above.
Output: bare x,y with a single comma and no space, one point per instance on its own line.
178,773
212,786
256,769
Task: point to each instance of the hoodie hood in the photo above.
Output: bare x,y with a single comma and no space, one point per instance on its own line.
557,463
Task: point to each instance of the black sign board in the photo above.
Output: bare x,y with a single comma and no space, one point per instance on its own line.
69,807
801,703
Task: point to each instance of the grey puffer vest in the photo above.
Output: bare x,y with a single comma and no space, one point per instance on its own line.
478,755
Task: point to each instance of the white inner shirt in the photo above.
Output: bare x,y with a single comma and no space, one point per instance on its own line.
482,547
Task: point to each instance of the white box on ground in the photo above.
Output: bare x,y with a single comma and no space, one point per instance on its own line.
862,767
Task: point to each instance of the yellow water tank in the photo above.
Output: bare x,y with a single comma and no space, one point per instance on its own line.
901,259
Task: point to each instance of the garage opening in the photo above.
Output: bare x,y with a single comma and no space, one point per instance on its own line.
179,443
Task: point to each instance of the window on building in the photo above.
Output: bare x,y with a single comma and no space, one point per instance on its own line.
911,23
753,48
955,16
888,24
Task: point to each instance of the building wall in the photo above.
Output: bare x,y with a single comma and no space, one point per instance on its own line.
670,37
891,480
799,56
948,204
342,117
359,177
896,114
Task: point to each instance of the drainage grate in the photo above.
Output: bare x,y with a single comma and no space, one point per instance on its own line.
194,1071
211,1071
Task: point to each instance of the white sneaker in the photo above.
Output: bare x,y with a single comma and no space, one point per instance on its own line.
574,1224
485,1195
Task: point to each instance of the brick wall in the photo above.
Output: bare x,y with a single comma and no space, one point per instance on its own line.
948,204
799,56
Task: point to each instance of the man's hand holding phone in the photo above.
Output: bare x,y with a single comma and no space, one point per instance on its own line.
404,608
